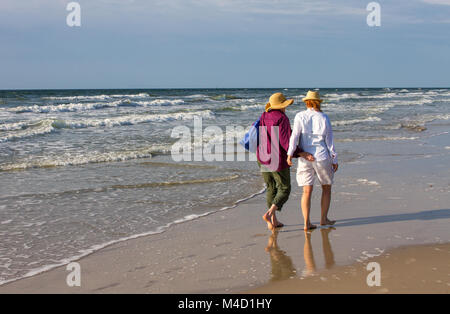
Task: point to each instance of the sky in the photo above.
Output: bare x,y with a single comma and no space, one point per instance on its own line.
224,44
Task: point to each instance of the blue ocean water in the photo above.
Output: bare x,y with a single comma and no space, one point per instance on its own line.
80,169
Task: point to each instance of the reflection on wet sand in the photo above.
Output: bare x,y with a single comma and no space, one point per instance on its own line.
310,264
326,247
282,265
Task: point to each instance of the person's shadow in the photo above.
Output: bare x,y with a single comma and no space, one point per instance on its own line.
418,216
423,215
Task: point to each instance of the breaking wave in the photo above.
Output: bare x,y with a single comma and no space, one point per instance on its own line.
98,97
24,130
19,130
355,121
131,119
73,107
78,159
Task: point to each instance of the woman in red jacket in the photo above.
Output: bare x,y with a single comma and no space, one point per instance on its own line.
275,132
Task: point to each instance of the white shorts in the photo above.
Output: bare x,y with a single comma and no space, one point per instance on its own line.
307,170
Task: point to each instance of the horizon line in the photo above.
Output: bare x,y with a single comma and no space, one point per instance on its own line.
212,88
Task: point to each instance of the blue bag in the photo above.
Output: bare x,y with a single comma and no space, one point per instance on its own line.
251,138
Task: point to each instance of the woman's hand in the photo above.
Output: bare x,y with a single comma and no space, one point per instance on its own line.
289,161
335,167
307,156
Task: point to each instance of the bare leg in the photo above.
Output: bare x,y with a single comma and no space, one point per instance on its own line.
325,202
268,217
306,206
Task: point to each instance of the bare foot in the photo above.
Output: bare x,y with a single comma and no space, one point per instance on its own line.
327,222
310,227
267,218
276,223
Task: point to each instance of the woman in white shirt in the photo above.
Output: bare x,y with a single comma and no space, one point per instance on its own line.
313,133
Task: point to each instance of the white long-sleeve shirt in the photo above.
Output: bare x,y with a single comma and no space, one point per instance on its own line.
313,133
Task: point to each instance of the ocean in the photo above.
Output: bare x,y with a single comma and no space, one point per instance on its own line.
82,169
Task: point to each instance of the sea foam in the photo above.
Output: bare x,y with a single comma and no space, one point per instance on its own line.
98,97
23,130
20,130
78,159
73,107
131,119
355,121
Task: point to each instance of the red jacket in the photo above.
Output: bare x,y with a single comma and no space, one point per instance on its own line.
276,160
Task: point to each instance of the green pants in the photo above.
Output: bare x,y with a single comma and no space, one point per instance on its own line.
278,187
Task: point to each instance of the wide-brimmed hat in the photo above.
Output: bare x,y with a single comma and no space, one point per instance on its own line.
311,95
278,101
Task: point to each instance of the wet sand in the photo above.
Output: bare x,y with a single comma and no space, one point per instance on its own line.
391,207
411,269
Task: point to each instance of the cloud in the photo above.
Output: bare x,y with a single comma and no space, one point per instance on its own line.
442,2
173,15
269,7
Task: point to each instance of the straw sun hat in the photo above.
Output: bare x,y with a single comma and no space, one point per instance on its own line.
278,101
311,95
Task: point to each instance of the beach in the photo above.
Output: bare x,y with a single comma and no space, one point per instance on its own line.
128,132
88,176
398,217
406,270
